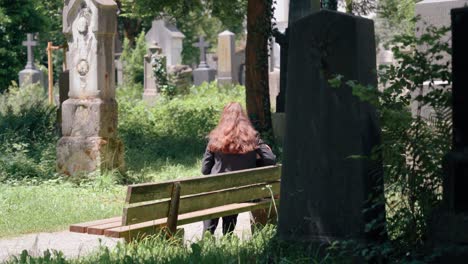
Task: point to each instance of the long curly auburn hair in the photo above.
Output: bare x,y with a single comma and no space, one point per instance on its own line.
234,133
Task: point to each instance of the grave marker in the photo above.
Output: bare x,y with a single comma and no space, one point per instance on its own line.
323,189
89,116
203,73
30,74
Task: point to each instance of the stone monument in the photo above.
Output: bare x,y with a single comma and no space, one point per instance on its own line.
89,117
169,38
150,85
323,188
203,73
226,58
449,224
31,74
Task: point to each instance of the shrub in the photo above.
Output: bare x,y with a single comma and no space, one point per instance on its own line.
132,58
27,134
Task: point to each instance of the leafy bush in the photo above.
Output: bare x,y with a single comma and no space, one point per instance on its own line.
132,58
173,131
415,116
27,134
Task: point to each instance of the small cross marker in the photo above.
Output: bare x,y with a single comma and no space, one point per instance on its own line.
30,44
202,45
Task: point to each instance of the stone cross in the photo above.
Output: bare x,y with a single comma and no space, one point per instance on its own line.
30,44
202,45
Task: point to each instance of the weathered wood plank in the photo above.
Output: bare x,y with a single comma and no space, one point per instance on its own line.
153,227
155,191
99,229
143,213
83,227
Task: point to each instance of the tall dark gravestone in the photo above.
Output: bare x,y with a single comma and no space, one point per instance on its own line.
323,188
450,222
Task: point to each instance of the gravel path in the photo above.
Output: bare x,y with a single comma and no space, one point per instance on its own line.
75,244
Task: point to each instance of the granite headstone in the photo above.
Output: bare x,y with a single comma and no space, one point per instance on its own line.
324,188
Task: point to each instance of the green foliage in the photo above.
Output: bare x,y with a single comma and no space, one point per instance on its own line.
394,17
18,17
27,134
37,206
413,143
193,18
262,247
171,132
132,58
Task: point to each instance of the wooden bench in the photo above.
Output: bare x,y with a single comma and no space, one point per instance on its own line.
152,207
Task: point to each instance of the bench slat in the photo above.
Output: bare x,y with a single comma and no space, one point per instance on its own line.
155,191
152,227
83,227
99,229
143,213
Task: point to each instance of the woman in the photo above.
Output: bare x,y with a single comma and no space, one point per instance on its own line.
233,145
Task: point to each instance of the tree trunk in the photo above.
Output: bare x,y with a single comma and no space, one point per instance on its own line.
256,64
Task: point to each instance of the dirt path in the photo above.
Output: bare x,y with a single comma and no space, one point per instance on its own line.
75,245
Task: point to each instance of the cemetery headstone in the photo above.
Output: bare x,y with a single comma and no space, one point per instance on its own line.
89,117
226,58
30,74
180,76
297,9
324,187
169,38
203,73
435,13
150,91
450,223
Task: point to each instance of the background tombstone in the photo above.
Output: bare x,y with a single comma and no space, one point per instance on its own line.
169,38
435,13
323,190
150,89
89,117
203,73
31,74
226,58
449,224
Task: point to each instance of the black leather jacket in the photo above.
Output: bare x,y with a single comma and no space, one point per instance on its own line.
217,162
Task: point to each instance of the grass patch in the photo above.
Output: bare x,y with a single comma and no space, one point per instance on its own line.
53,206
263,247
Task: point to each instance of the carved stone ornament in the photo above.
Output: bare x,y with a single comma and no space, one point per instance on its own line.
83,21
82,67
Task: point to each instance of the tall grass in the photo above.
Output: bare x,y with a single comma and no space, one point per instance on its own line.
263,247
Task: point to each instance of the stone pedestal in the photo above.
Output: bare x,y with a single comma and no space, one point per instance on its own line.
201,75
226,58
31,76
89,117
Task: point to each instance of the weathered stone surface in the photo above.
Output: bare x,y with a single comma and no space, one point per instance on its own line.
323,189
78,154
181,77
169,38
89,118
226,58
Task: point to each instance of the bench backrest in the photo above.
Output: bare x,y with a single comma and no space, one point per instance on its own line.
151,201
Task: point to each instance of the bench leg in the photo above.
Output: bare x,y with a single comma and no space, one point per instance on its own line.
262,217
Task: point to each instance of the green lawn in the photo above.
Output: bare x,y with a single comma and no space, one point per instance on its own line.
53,206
